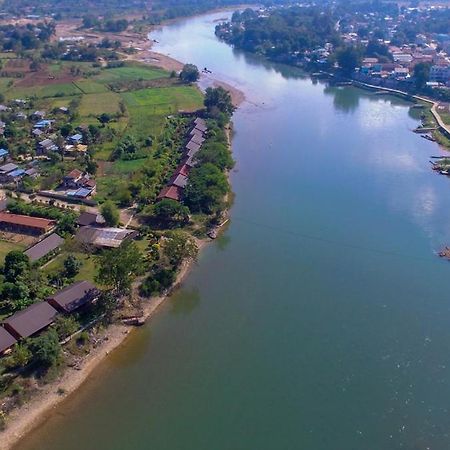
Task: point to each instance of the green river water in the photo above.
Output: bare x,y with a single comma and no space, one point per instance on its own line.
321,319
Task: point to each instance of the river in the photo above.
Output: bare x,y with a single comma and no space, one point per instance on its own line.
321,319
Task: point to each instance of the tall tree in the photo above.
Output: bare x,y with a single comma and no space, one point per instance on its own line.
119,267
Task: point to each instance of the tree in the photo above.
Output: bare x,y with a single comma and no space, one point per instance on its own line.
348,59
421,74
104,118
110,212
170,211
66,224
177,246
218,99
66,326
46,349
206,189
119,267
71,266
17,264
190,73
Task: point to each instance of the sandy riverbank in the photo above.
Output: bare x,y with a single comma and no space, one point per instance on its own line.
29,416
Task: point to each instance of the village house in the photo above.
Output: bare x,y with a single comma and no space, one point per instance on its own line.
31,320
75,139
4,153
38,115
17,223
5,169
73,297
82,184
45,146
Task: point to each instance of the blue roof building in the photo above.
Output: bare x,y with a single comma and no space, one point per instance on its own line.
3,152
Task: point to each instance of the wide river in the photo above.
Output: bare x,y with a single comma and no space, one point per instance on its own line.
321,319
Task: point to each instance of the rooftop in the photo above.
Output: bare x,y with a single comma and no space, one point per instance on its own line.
31,320
74,296
18,219
44,247
6,340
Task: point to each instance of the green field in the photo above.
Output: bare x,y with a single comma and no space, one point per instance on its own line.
50,90
96,104
91,87
131,73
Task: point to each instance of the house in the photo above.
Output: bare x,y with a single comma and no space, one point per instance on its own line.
192,146
75,139
38,115
179,181
171,192
72,178
74,297
17,223
3,153
21,116
7,340
197,139
4,108
32,173
31,320
104,237
88,218
83,185
183,169
14,176
44,247
6,170
63,109
43,124
45,146
37,132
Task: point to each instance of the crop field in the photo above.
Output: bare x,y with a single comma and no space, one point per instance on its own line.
96,104
131,73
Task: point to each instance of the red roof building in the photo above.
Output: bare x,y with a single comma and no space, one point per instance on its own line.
17,223
172,192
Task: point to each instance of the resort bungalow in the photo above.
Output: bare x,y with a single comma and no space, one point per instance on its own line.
31,320
74,297
197,138
16,223
43,248
171,192
192,146
179,181
7,340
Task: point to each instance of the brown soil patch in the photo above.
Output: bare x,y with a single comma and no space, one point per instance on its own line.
42,77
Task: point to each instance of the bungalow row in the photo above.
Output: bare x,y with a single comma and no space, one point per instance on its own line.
39,316
178,182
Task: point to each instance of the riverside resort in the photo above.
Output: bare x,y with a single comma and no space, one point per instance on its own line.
224,226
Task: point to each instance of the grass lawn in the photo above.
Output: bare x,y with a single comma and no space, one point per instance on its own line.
88,270
126,167
96,104
130,73
6,247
